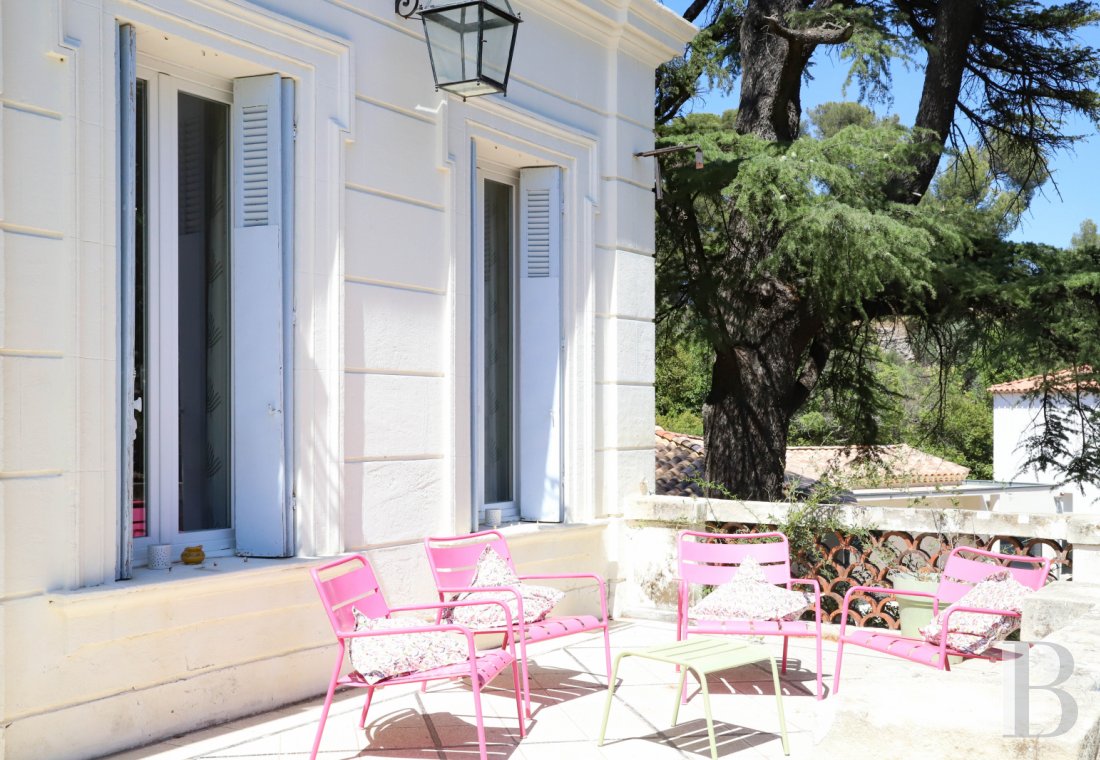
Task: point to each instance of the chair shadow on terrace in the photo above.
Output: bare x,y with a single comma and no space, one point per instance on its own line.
690,737
552,686
409,733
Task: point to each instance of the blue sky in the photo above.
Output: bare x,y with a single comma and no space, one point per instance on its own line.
1054,216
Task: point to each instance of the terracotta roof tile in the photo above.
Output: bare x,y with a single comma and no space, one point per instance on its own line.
680,461
893,466
1028,384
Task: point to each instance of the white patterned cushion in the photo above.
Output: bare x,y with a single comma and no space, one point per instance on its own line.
493,570
749,596
376,658
971,632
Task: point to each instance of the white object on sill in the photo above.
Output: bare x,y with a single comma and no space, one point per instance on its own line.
160,556
493,517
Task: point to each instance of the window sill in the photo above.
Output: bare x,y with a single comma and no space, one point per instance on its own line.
531,528
225,569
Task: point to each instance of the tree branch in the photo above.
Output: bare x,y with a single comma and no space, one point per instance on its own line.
817,35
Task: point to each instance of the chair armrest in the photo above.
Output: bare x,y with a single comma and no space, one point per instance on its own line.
600,584
440,627
475,589
880,590
562,576
520,621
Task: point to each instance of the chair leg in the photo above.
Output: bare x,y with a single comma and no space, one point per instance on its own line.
526,677
519,700
328,704
820,688
786,641
839,657
477,713
366,706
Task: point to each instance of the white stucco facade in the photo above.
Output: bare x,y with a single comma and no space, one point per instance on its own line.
1016,417
381,373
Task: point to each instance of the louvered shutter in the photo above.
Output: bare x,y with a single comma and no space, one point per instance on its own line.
540,349
259,496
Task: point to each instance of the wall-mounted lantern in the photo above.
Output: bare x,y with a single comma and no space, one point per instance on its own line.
470,44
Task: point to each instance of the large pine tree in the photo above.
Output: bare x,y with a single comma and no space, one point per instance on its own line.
787,250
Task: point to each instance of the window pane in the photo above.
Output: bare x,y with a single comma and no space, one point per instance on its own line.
203,314
498,342
141,528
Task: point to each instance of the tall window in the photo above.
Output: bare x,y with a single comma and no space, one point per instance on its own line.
182,455
499,351
204,256
518,343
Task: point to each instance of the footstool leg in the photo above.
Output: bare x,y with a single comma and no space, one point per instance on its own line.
779,704
706,709
679,691
610,693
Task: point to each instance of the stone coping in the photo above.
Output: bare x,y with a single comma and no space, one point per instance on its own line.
687,511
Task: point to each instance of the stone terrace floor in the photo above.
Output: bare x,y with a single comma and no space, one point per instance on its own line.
567,702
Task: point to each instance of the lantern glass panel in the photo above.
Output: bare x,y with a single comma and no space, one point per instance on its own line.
470,44
452,38
498,32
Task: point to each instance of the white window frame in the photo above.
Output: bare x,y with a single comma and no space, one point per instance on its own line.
321,64
506,176
163,85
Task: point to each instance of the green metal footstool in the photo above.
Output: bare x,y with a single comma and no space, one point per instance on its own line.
702,655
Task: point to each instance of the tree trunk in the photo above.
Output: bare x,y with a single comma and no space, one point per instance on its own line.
956,23
771,74
767,357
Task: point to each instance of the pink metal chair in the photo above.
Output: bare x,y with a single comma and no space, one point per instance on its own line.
959,575
453,560
350,582
711,559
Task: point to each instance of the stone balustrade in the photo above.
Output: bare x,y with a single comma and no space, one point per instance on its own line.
886,539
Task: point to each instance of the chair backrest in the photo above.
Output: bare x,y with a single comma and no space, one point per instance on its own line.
345,583
453,559
713,558
967,566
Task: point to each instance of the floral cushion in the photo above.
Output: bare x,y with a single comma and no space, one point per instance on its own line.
376,658
493,570
972,632
749,596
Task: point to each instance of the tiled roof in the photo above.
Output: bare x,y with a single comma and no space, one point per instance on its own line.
1028,384
895,466
680,461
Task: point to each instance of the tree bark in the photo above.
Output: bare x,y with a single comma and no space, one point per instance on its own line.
768,352
767,360
956,24
771,73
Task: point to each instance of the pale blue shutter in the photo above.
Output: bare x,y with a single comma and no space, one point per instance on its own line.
540,345
127,237
257,329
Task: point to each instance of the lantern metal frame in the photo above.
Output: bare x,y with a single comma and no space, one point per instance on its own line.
408,8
